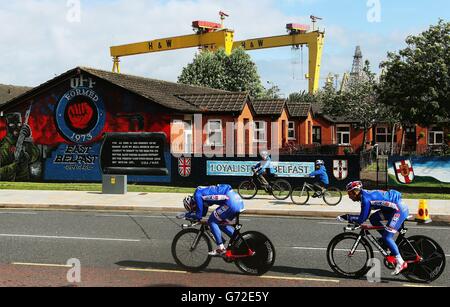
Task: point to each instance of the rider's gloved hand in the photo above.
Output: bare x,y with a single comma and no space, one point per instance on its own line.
181,216
342,218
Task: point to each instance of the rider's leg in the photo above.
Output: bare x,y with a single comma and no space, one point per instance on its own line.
318,189
394,225
376,219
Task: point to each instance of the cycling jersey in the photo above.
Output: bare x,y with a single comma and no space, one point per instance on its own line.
264,166
230,205
221,195
390,208
387,202
321,175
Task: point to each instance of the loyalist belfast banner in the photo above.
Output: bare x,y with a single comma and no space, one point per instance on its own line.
244,168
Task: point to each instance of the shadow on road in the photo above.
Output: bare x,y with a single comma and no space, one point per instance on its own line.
300,271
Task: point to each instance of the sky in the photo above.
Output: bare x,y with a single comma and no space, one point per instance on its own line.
41,39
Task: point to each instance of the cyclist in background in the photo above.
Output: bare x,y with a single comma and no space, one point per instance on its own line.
322,179
390,208
265,169
230,205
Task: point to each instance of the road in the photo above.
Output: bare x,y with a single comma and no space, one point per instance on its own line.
128,249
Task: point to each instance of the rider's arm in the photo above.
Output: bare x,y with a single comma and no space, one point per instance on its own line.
198,214
314,174
365,212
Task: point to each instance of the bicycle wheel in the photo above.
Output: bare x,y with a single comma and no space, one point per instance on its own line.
264,257
332,196
281,189
433,264
248,189
300,196
340,261
192,260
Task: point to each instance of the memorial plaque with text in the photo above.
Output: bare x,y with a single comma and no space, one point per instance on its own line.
140,154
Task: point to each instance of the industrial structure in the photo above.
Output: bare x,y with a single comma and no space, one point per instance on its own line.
213,36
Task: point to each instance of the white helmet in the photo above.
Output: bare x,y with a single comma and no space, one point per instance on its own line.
265,154
320,162
189,204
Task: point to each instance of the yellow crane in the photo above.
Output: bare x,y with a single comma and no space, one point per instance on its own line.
212,36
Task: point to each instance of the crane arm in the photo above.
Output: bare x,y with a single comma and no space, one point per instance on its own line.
214,40
314,40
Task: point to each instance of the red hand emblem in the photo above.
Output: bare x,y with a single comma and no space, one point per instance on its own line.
80,115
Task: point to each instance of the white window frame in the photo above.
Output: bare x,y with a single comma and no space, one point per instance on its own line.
385,134
340,139
209,132
256,131
435,133
292,130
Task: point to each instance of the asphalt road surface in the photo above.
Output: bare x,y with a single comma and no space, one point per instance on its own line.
129,249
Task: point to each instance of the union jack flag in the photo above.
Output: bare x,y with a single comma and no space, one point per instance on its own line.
185,167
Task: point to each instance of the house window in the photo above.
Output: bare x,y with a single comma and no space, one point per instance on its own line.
436,136
384,135
291,131
215,133
317,135
260,132
343,135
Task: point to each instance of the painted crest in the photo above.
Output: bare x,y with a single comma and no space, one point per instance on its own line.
340,169
185,167
404,171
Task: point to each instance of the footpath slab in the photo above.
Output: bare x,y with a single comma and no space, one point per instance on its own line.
172,202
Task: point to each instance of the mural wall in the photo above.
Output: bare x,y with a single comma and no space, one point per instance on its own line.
420,171
57,135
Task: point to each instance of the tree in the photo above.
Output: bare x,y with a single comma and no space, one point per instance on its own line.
237,73
357,102
416,80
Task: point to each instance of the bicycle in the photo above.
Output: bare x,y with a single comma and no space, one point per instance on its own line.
252,252
349,253
300,196
279,188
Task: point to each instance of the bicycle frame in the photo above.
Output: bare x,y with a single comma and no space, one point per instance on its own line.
365,232
229,256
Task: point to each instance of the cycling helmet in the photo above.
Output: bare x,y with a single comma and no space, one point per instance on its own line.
189,204
355,185
265,155
320,163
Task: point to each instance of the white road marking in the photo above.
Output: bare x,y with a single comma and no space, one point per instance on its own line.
146,216
20,213
67,238
42,265
325,249
411,227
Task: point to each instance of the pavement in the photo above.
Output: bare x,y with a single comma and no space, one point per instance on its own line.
172,202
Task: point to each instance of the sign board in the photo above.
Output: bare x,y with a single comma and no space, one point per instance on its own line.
244,168
140,154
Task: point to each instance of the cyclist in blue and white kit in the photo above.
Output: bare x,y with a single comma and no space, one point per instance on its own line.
322,179
265,169
390,208
230,205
